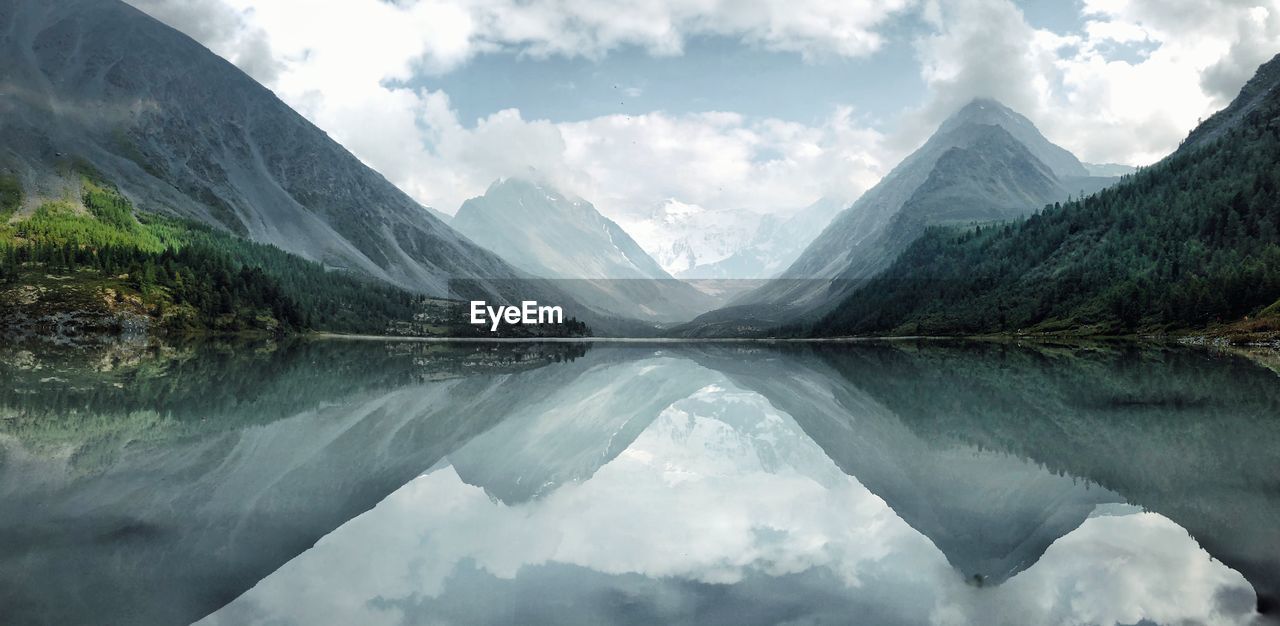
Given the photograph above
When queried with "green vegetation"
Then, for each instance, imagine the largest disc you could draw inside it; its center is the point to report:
(102, 399)
(1189, 242)
(105, 262)
(10, 196)
(186, 275)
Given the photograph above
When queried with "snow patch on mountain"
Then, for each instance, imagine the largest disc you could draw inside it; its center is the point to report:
(691, 241)
(681, 236)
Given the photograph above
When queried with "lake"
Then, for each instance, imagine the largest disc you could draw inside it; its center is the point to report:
(372, 482)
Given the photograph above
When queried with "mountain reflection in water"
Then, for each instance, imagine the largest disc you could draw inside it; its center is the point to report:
(899, 483)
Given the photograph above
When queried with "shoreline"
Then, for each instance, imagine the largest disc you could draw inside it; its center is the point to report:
(687, 340)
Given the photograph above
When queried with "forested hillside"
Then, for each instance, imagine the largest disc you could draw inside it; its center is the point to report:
(183, 275)
(1192, 240)
(92, 264)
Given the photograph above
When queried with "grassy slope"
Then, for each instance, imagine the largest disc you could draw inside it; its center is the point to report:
(10, 196)
(101, 263)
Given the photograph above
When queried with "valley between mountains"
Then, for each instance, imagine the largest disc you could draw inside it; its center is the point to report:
(150, 187)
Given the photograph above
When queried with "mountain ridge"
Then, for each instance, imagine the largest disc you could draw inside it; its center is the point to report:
(870, 213)
(566, 240)
(492, 221)
(866, 237)
(1184, 244)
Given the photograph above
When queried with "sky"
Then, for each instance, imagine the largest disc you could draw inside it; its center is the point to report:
(759, 105)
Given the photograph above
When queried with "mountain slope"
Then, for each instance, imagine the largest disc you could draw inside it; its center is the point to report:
(985, 162)
(182, 132)
(1253, 95)
(837, 248)
(539, 230)
(549, 235)
(1190, 240)
(990, 176)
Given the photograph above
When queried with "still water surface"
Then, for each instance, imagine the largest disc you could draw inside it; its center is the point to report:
(342, 482)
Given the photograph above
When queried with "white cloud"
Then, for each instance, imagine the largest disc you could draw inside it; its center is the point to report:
(594, 27)
(720, 160)
(228, 32)
(721, 486)
(345, 66)
(1182, 61)
(445, 33)
(625, 164)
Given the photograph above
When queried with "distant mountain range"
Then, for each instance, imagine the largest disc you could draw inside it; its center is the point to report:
(540, 230)
(692, 242)
(682, 236)
(1109, 169)
(773, 245)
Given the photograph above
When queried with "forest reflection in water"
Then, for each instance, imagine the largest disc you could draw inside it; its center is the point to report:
(904, 482)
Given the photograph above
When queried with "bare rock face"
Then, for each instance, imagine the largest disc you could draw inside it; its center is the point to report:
(97, 84)
(1253, 94)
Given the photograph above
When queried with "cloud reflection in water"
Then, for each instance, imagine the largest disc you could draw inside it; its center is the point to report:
(722, 510)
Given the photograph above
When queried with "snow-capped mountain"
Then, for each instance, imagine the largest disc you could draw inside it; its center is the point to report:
(1109, 169)
(694, 242)
(777, 242)
(682, 236)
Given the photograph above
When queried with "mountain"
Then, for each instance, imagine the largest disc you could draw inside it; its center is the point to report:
(547, 234)
(989, 177)
(1109, 169)
(540, 230)
(683, 237)
(774, 245)
(985, 162)
(704, 245)
(1184, 243)
(1255, 94)
(96, 85)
